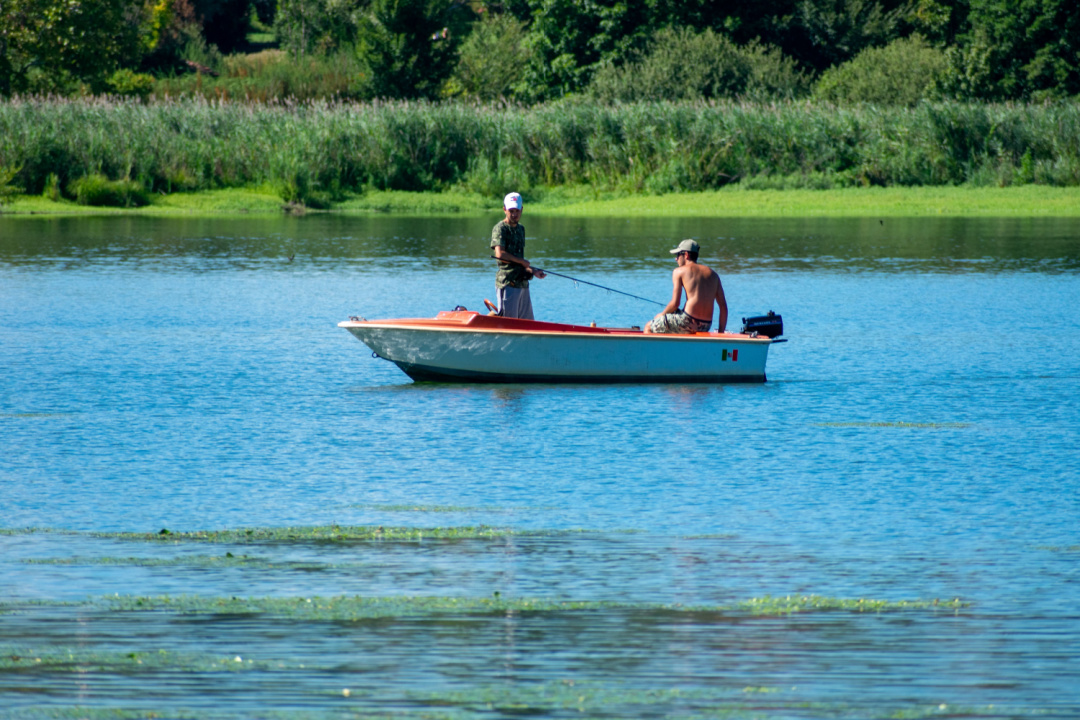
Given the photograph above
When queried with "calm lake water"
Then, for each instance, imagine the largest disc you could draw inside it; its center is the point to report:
(916, 441)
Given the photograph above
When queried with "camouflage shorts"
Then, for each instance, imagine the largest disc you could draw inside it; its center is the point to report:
(678, 323)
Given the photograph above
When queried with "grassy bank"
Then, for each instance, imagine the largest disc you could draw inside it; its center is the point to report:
(1023, 201)
(322, 154)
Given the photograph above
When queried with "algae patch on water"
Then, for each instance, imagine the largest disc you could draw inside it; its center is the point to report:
(324, 533)
(355, 607)
(82, 660)
(228, 560)
(769, 605)
(10, 532)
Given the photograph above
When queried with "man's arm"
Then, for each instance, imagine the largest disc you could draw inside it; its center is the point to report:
(721, 302)
(506, 256)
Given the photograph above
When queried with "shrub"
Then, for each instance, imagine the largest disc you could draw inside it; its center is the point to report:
(304, 27)
(131, 84)
(7, 190)
(198, 52)
(298, 189)
(99, 191)
(271, 75)
(490, 61)
(407, 48)
(52, 188)
(684, 65)
(902, 73)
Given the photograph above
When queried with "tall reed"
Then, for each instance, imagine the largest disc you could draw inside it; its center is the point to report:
(338, 147)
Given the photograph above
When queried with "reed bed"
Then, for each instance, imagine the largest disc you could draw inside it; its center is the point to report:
(338, 148)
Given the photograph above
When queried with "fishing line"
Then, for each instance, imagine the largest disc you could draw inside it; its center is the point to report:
(586, 282)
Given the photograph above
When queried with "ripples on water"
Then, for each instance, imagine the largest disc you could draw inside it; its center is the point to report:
(916, 440)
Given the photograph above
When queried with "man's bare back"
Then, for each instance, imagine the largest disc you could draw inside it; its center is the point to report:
(702, 287)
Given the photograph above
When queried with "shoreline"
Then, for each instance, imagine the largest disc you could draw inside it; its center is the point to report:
(1030, 201)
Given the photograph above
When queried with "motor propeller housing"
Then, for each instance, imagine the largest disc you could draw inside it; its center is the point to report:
(771, 325)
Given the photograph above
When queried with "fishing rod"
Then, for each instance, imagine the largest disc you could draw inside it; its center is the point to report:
(584, 282)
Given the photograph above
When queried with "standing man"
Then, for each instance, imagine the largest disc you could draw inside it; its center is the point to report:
(508, 246)
(702, 286)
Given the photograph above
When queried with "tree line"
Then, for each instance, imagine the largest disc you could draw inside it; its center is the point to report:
(889, 52)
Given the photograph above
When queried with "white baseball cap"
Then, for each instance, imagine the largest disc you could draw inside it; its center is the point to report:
(687, 245)
(512, 201)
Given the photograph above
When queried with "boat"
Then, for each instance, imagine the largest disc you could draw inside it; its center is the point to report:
(466, 346)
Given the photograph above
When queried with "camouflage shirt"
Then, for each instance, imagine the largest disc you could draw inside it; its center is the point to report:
(512, 240)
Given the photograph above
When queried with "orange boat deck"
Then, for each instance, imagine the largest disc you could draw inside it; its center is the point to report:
(473, 320)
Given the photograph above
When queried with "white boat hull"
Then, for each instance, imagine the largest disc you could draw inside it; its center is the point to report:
(463, 346)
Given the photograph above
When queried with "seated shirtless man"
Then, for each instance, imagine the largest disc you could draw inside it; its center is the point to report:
(702, 286)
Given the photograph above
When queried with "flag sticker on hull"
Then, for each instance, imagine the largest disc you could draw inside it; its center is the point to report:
(724, 355)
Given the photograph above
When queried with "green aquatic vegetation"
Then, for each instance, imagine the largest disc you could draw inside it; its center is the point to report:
(35, 531)
(326, 533)
(85, 661)
(78, 712)
(356, 607)
(789, 604)
(585, 698)
(14, 607)
(915, 425)
(339, 608)
(588, 699)
(198, 561)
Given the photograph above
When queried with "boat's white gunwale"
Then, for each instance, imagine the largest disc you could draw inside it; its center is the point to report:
(652, 337)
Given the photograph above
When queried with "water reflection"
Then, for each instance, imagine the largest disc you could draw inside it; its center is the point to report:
(573, 245)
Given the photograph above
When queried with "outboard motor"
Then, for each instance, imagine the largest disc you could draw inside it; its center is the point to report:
(771, 325)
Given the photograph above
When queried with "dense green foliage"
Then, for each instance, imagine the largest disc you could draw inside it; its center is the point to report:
(1013, 49)
(408, 47)
(902, 73)
(7, 190)
(271, 74)
(324, 150)
(490, 61)
(532, 51)
(100, 191)
(684, 65)
(54, 45)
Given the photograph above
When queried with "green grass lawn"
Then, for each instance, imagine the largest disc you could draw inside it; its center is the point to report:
(1023, 201)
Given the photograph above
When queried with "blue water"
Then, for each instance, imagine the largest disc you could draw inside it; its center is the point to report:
(916, 439)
